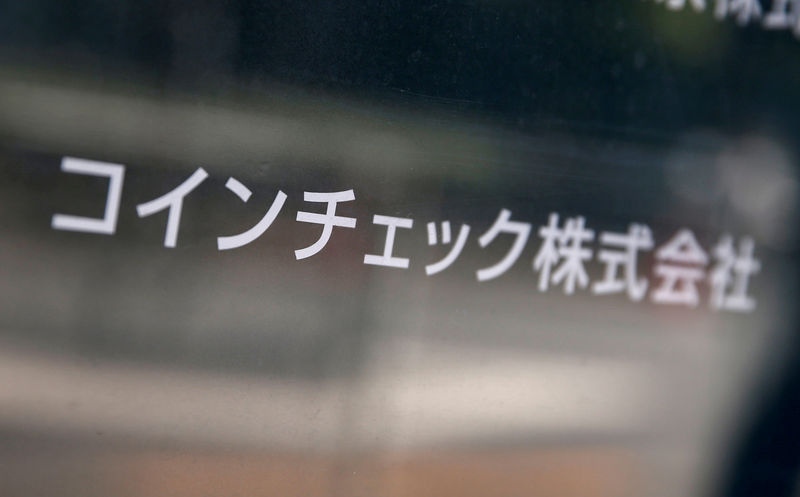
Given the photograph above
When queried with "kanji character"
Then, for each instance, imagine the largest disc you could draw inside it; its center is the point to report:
(244, 193)
(174, 201)
(547, 257)
(108, 224)
(679, 281)
(637, 238)
(566, 244)
(386, 259)
(698, 5)
(458, 246)
(729, 292)
(327, 220)
(503, 225)
(744, 10)
(784, 14)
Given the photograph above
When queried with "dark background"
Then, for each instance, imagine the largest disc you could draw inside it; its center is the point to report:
(608, 68)
(630, 65)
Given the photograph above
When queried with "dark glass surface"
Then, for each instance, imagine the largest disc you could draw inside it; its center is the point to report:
(129, 368)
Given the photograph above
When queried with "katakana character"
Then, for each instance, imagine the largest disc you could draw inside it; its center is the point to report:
(744, 10)
(729, 292)
(244, 193)
(503, 225)
(108, 224)
(699, 5)
(392, 223)
(637, 238)
(784, 14)
(564, 244)
(458, 246)
(174, 201)
(679, 283)
(327, 220)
